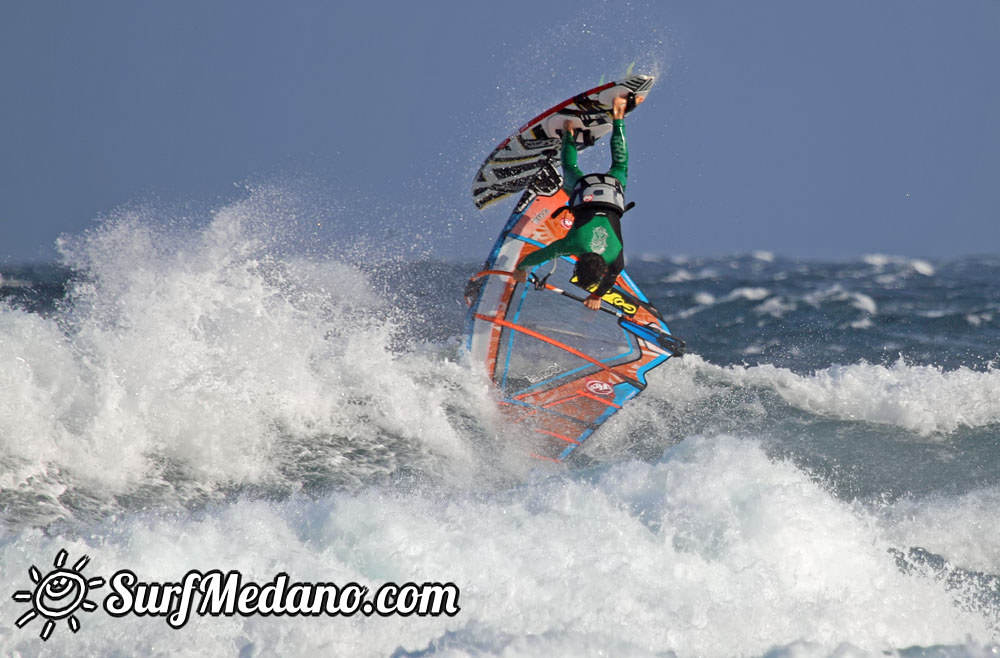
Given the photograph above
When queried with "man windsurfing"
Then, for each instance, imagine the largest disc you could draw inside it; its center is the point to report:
(597, 202)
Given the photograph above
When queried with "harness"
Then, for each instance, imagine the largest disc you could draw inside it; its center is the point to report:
(598, 191)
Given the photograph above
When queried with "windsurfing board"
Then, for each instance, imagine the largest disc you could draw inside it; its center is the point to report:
(518, 159)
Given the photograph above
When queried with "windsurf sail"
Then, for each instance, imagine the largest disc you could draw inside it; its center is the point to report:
(562, 369)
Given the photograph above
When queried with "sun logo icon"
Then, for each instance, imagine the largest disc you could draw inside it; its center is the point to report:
(58, 595)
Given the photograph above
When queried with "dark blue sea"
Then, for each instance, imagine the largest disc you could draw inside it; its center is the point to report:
(818, 476)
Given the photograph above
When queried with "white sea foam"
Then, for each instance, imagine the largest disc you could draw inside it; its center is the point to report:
(750, 294)
(679, 276)
(211, 355)
(923, 399)
(716, 550)
(979, 319)
(775, 306)
(899, 265)
(962, 528)
(778, 305)
(837, 294)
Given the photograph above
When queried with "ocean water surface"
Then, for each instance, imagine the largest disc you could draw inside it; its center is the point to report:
(817, 476)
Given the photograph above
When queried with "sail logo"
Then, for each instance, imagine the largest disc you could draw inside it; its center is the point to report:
(620, 302)
(598, 387)
(539, 217)
(64, 591)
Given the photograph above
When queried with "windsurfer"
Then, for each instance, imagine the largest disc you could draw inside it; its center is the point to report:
(597, 202)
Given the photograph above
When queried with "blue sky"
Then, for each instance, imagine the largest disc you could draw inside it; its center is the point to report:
(809, 129)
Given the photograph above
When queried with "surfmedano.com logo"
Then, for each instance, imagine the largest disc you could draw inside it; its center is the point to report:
(58, 595)
(63, 591)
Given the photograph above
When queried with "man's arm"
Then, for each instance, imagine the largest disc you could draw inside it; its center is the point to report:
(558, 248)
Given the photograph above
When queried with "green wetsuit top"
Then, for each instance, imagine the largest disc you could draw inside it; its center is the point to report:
(599, 235)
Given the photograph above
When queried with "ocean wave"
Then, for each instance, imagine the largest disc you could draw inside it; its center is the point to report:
(926, 400)
(182, 365)
(715, 548)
